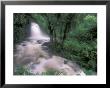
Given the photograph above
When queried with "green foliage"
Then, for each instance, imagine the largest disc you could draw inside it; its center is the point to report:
(84, 53)
(20, 22)
(86, 35)
(90, 21)
(52, 72)
(20, 70)
(89, 72)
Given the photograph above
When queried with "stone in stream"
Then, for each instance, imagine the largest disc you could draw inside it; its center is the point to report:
(23, 44)
(40, 41)
(46, 44)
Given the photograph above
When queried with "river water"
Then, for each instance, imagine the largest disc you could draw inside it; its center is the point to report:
(34, 55)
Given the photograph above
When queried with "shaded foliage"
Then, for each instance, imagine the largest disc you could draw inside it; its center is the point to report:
(20, 70)
(20, 22)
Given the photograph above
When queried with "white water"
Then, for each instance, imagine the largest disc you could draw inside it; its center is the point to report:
(31, 55)
(37, 34)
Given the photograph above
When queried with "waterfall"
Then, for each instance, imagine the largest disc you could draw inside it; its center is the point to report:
(37, 33)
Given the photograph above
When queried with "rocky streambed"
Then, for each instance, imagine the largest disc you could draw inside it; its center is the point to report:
(34, 55)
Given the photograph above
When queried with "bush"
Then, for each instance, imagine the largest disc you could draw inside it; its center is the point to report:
(85, 54)
(20, 22)
(20, 70)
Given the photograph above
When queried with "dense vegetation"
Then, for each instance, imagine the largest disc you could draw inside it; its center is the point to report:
(73, 35)
(20, 70)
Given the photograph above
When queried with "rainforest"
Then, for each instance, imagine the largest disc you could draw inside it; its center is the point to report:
(55, 43)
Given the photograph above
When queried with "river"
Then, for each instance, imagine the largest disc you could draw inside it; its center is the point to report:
(33, 54)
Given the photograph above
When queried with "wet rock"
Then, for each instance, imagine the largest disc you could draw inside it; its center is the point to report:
(65, 61)
(23, 44)
(46, 44)
(40, 41)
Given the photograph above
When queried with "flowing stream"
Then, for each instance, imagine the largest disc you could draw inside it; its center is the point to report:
(33, 54)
